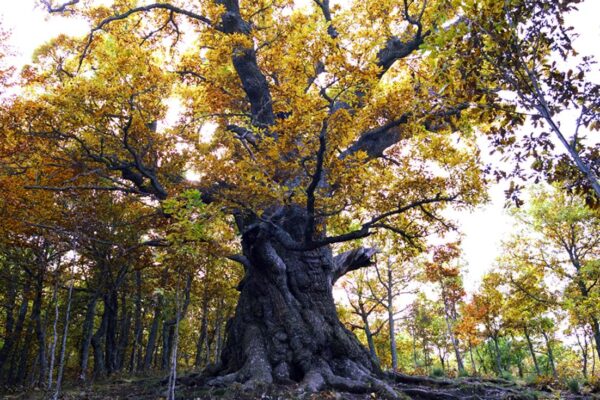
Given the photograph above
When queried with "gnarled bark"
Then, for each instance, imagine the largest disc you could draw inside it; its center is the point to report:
(286, 328)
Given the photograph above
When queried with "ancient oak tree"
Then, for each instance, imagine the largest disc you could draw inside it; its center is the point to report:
(308, 125)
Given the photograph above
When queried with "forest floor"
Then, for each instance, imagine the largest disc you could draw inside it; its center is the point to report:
(415, 388)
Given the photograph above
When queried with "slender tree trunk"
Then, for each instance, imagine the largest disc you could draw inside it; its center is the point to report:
(585, 357)
(125, 326)
(87, 332)
(9, 324)
(173, 352)
(532, 351)
(550, 354)
(97, 346)
(481, 361)
(473, 365)
(391, 322)
(393, 346)
(11, 345)
(519, 359)
(150, 348)
(426, 358)
(201, 343)
(111, 308)
(370, 340)
(20, 374)
(138, 330)
(584, 352)
(414, 348)
(54, 334)
(593, 359)
(168, 333)
(498, 359)
(155, 358)
(64, 343)
(218, 334)
(596, 330)
(40, 331)
(210, 339)
(454, 341)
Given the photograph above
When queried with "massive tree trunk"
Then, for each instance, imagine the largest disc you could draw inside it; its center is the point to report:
(285, 326)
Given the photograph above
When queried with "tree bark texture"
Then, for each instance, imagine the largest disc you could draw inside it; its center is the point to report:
(285, 326)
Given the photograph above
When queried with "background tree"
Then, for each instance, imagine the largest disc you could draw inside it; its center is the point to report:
(487, 306)
(528, 297)
(446, 276)
(364, 305)
(567, 248)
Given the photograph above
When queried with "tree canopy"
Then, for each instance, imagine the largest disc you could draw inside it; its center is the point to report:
(185, 184)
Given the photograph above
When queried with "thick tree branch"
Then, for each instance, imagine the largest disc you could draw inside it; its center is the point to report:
(395, 49)
(375, 141)
(377, 222)
(324, 6)
(312, 187)
(149, 173)
(239, 258)
(244, 61)
(352, 260)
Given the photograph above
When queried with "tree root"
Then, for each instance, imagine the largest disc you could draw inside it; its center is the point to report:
(350, 377)
(393, 386)
(425, 388)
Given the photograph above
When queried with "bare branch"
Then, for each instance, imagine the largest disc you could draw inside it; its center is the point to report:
(87, 187)
(58, 9)
(142, 9)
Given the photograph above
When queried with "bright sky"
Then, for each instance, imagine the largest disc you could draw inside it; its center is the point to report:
(484, 228)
